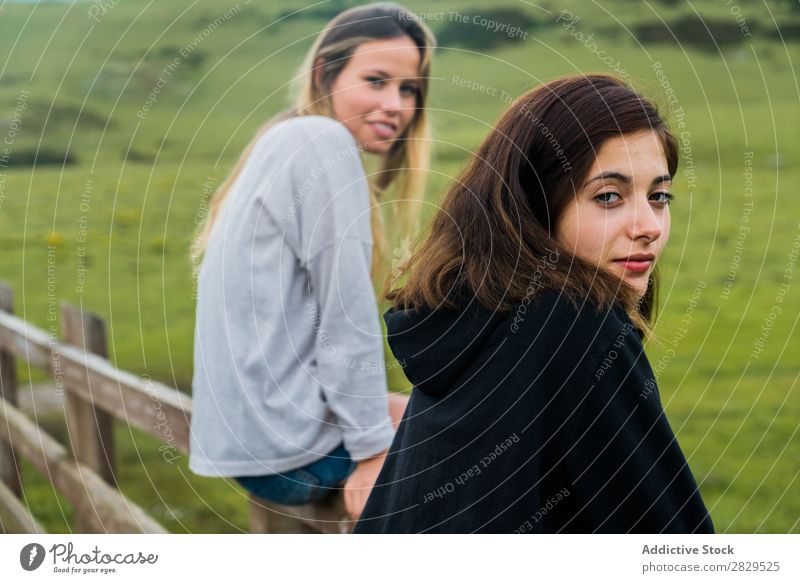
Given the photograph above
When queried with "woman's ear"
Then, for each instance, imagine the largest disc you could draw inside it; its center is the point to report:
(316, 72)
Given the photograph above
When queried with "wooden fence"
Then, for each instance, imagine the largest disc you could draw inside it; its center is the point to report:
(96, 395)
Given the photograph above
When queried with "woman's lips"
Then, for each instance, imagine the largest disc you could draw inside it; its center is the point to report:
(635, 265)
(382, 130)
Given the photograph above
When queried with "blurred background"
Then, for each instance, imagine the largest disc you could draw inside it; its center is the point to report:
(120, 118)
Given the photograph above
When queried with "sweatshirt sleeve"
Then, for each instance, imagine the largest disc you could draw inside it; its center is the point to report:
(335, 247)
(626, 468)
(350, 364)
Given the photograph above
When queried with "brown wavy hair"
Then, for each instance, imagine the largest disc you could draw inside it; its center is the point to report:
(495, 229)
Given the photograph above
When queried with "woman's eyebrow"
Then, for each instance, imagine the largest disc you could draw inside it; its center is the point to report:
(386, 75)
(617, 175)
(664, 178)
(627, 179)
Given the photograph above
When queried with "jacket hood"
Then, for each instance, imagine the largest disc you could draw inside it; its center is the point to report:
(436, 347)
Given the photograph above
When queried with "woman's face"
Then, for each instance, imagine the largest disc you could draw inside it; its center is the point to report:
(375, 95)
(619, 219)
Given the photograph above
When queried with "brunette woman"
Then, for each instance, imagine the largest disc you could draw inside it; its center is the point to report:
(521, 322)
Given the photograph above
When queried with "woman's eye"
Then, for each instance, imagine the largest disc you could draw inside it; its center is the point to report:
(662, 197)
(410, 90)
(607, 197)
(375, 81)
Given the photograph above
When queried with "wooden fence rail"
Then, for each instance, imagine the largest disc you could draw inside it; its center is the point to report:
(96, 395)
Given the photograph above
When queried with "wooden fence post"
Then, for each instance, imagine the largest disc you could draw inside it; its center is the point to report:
(9, 470)
(90, 428)
(325, 516)
(266, 518)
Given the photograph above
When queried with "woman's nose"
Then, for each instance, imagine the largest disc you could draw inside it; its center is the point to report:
(391, 100)
(645, 223)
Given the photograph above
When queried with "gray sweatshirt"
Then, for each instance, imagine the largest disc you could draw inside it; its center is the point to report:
(288, 352)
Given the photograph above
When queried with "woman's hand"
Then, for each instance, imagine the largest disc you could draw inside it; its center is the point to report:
(360, 483)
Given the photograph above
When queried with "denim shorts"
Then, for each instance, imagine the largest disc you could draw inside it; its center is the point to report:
(307, 484)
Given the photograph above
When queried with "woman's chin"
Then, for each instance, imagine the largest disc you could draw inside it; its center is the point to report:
(376, 147)
(638, 283)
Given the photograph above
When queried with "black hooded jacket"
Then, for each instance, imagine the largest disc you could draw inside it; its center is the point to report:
(545, 419)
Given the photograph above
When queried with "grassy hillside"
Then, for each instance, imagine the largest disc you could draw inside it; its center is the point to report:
(150, 103)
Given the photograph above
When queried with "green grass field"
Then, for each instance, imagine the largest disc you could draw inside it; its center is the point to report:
(727, 361)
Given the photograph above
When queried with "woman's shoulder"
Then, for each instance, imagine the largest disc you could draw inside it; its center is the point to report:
(315, 131)
(556, 317)
(308, 144)
(569, 337)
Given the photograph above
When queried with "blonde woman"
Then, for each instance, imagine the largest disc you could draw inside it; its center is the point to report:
(289, 387)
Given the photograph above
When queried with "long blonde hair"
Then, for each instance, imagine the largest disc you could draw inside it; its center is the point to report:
(406, 162)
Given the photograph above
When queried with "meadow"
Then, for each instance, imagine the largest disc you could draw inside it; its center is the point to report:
(118, 119)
